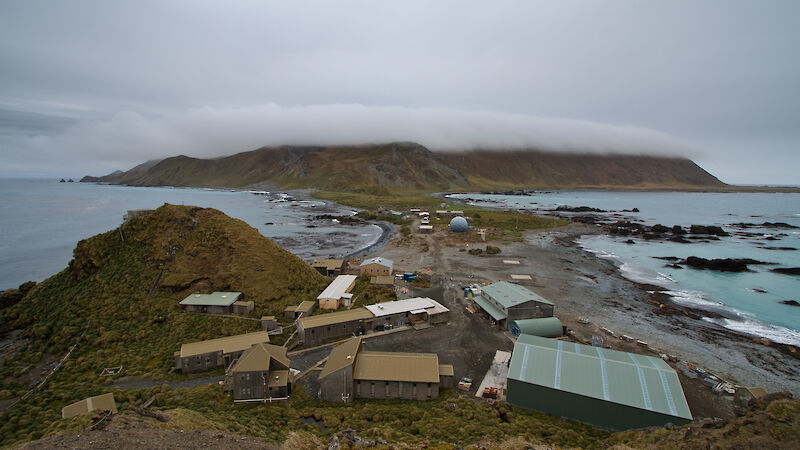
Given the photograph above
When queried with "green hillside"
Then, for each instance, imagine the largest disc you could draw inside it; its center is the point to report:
(127, 291)
(408, 167)
(117, 301)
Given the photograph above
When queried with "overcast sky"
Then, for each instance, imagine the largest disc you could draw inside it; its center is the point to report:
(88, 87)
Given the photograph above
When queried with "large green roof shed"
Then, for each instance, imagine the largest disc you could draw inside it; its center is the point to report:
(606, 388)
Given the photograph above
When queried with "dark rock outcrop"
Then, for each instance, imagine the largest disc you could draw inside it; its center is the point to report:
(565, 208)
(787, 270)
(764, 225)
(720, 265)
(708, 229)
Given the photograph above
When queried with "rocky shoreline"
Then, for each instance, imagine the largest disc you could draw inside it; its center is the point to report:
(651, 313)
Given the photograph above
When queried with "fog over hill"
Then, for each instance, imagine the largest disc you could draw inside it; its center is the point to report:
(411, 166)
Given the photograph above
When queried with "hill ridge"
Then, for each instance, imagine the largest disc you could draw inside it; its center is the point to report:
(380, 168)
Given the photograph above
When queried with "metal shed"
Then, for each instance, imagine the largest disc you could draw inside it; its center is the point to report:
(602, 387)
(544, 327)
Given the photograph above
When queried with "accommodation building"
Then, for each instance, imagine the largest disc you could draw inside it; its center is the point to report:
(406, 312)
(352, 372)
(316, 330)
(376, 266)
(262, 374)
(103, 402)
(505, 301)
(220, 352)
(337, 293)
(329, 267)
(215, 303)
(602, 387)
(304, 309)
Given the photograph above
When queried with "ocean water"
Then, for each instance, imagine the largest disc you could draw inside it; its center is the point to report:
(42, 221)
(750, 300)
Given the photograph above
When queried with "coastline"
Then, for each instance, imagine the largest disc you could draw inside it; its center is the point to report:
(635, 309)
(387, 232)
(583, 285)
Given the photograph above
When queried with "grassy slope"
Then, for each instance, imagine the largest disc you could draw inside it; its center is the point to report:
(407, 167)
(770, 423)
(520, 169)
(106, 291)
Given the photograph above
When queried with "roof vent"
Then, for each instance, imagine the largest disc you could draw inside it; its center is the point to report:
(224, 296)
(349, 357)
(277, 378)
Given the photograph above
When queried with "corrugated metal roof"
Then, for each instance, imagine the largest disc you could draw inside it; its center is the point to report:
(378, 260)
(257, 358)
(226, 344)
(396, 366)
(544, 327)
(400, 306)
(334, 317)
(341, 356)
(510, 294)
(634, 380)
(213, 299)
(338, 287)
(493, 311)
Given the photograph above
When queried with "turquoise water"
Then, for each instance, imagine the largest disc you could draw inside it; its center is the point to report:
(42, 220)
(751, 299)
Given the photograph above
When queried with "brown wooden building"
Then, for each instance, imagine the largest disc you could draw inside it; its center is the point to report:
(351, 372)
(262, 374)
(220, 352)
(376, 267)
(329, 267)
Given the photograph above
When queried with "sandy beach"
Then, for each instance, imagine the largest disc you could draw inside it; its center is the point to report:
(584, 286)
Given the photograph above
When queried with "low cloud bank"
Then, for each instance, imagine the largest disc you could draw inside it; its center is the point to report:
(129, 138)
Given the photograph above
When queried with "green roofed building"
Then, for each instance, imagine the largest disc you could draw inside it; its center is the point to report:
(601, 387)
(505, 301)
(543, 327)
(214, 303)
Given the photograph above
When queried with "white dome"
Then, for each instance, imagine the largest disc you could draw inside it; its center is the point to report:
(458, 225)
